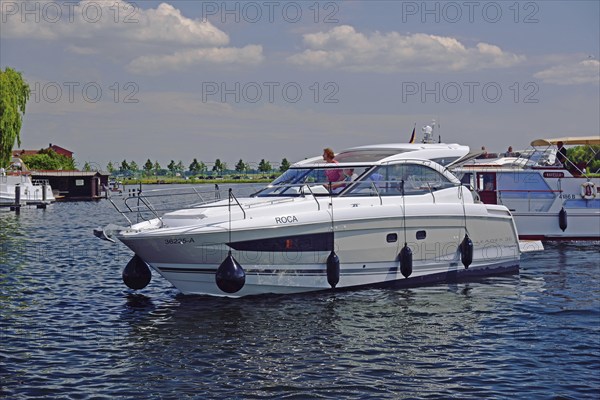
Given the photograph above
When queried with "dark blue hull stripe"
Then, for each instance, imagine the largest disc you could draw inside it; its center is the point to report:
(353, 271)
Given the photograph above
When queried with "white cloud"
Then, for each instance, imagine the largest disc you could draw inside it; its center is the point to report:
(154, 64)
(166, 23)
(50, 20)
(124, 31)
(344, 47)
(584, 72)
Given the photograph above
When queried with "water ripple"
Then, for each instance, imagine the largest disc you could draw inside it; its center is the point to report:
(70, 329)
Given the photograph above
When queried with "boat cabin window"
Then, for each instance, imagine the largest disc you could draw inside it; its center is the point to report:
(466, 179)
(298, 181)
(393, 180)
(443, 161)
(367, 155)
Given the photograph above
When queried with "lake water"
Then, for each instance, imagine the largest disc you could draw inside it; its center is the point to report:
(69, 328)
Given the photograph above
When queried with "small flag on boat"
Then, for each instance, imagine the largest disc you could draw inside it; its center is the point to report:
(412, 137)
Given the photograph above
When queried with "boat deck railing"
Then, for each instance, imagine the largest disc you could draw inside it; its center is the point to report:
(143, 205)
(539, 158)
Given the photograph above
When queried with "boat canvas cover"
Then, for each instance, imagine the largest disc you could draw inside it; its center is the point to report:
(568, 140)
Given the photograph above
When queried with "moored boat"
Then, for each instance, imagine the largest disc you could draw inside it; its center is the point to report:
(399, 218)
(550, 196)
(16, 185)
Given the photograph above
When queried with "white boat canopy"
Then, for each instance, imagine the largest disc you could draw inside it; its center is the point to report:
(569, 140)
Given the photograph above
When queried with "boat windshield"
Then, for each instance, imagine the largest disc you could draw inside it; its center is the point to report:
(539, 157)
(399, 179)
(316, 181)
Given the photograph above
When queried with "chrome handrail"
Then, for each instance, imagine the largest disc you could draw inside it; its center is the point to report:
(231, 195)
(150, 201)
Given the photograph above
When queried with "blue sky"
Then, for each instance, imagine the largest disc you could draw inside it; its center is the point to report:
(178, 80)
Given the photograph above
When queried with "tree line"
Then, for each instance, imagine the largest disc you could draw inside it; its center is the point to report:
(153, 168)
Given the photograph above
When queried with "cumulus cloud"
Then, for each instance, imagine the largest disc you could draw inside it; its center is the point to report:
(154, 64)
(344, 47)
(50, 20)
(584, 72)
(118, 28)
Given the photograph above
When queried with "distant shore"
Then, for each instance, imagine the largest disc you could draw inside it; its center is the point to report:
(190, 181)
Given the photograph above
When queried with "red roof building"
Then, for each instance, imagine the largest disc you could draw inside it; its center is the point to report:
(59, 150)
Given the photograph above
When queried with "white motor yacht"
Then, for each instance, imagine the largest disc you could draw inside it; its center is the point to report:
(550, 198)
(31, 192)
(401, 218)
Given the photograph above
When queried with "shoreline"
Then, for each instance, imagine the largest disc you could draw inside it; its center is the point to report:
(180, 181)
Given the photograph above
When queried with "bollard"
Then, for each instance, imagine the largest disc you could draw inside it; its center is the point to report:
(17, 207)
(18, 194)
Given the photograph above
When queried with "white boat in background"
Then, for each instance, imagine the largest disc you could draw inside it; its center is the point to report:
(404, 220)
(114, 187)
(31, 192)
(549, 199)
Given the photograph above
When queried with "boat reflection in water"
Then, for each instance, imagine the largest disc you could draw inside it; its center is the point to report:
(384, 214)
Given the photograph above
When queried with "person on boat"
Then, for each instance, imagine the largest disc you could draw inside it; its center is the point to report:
(561, 154)
(348, 176)
(509, 152)
(484, 153)
(333, 175)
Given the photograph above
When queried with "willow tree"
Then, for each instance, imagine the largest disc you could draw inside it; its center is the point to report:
(14, 93)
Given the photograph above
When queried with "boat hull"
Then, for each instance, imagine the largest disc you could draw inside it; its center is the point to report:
(536, 197)
(29, 193)
(293, 258)
(200, 279)
(545, 226)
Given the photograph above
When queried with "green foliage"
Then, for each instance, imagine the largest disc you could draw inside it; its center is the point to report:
(171, 167)
(48, 159)
(197, 167)
(264, 166)
(219, 166)
(241, 166)
(124, 166)
(148, 166)
(175, 168)
(589, 155)
(285, 165)
(194, 167)
(14, 93)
